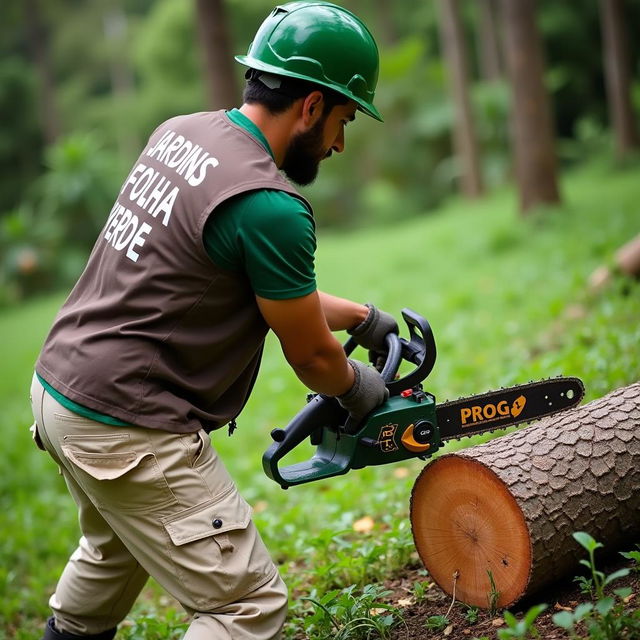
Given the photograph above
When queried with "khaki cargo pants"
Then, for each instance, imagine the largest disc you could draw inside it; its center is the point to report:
(160, 504)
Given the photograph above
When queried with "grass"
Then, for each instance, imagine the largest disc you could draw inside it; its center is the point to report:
(507, 300)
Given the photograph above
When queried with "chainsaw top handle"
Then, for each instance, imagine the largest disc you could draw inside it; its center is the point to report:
(325, 411)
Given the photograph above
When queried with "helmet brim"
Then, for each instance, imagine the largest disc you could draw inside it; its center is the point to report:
(363, 105)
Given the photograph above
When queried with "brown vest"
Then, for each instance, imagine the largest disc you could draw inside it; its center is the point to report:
(154, 333)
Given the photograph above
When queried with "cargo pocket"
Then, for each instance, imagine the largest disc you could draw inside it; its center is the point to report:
(217, 553)
(117, 474)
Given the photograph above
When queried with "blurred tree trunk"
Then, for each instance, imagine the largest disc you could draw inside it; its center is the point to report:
(488, 42)
(38, 45)
(218, 59)
(618, 76)
(455, 53)
(531, 122)
(115, 26)
(386, 24)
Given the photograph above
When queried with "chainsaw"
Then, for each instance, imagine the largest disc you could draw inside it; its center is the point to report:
(410, 423)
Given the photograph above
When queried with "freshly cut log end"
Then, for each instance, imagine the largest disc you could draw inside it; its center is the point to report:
(469, 530)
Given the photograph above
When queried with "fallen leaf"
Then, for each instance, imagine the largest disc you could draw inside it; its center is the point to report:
(260, 506)
(364, 525)
(377, 612)
(497, 622)
(558, 607)
(466, 632)
(405, 602)
(629, 598)
(448, 630)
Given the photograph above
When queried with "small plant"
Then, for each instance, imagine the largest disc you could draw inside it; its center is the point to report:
(342, 615)
(436, 623)
(521, 628)
(599, 579)
(606, 618)
(420, 589)
(472, 614)
(169, 625)
(493, 596)
(585, 584)
(634, 556)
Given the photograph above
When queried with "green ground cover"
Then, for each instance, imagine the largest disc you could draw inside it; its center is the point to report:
(507, 299)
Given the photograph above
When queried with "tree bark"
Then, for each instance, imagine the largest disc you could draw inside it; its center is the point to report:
(218, 59)
(37, 37)
(488, 42)
(618, 77)
(465, 143)
(509, 507)
(532, 128)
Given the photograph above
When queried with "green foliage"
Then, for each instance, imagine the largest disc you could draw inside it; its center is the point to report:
(521, 628)
(345, 615)
(607, 618)
(168, 626)
(45, 242)
(634, 556)
(436, 623)
(494, 595)
(599, 579)
(420, 589)
(20, 136)
(472, 614)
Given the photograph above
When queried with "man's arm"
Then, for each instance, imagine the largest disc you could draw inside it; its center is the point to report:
(341, 313)
(307, 343)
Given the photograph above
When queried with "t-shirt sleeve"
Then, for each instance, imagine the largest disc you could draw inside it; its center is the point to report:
(271, 236)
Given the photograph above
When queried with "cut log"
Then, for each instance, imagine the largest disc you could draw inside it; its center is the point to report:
(505, 510)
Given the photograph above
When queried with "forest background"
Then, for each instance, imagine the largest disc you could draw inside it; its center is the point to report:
(82, 85)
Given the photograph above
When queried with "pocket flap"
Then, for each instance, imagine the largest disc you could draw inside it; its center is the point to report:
(105, 466)
(221, 514)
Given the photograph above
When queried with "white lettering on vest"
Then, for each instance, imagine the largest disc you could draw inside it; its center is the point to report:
(161, 144)
(166, 206)
(180, 154)
(194, 181)
(165, 156)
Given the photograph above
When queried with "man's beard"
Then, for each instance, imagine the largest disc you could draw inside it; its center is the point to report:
(303, 155)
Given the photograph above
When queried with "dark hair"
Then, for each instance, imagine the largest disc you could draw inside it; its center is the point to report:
(291, 89)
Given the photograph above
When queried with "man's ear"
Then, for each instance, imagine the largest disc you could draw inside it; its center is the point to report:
(312, 108)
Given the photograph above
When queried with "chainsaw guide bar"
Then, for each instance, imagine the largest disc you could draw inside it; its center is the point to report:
(504, 408)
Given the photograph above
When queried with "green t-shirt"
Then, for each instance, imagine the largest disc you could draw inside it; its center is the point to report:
(240, 237)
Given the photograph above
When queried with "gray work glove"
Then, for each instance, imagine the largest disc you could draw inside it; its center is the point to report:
(371, 332)
(368, 392)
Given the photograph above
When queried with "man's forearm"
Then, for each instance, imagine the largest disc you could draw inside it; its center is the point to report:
(326, 372)
(341, 313)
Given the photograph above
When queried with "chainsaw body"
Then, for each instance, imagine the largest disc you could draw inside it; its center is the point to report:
(404, 426)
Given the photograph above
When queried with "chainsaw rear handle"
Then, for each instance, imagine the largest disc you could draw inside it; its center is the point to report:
(325, 411)
(322, 411)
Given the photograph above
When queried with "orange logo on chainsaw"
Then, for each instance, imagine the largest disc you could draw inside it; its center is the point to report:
(488, 412)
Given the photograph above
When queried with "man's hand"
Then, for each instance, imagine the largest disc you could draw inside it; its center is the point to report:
(372, 331)
(368, 391)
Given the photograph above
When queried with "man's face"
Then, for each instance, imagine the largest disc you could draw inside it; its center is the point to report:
(307, 149)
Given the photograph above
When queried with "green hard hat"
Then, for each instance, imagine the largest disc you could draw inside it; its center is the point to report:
(322, 43)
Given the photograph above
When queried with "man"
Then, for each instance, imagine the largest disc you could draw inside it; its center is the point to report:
(207, 247)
